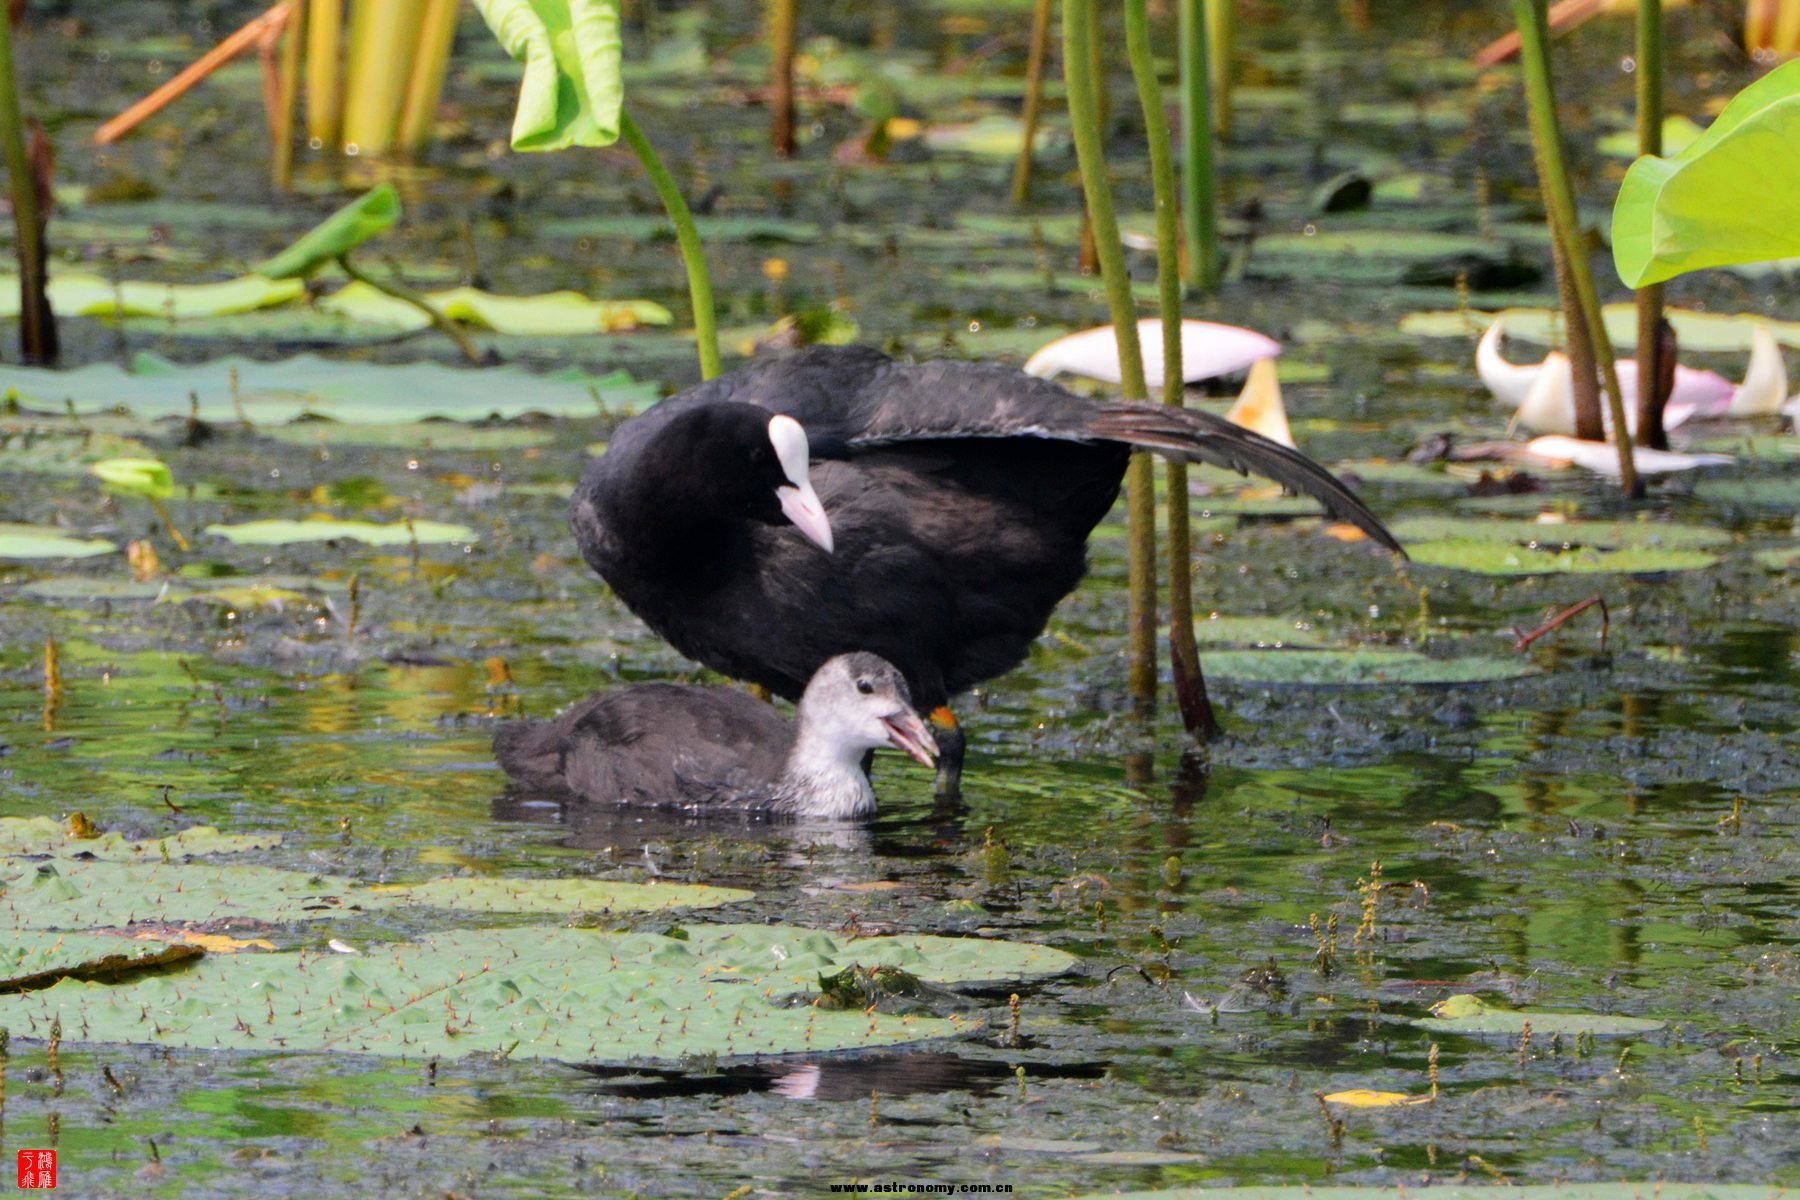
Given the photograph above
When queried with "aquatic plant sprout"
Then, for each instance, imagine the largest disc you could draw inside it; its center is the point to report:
(1731, 197)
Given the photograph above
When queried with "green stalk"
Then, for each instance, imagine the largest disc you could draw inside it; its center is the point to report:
(687, 235)
(782, 31)
(1199, 193)
(287, 98)
(437, 34)
(1650, 299)
(382, 36)
(1034, 100)
(1196, 710)
(324, 78)
(1079, 56)
(37, 324)
(401, 292)
(1221, 45)
(1565, 226)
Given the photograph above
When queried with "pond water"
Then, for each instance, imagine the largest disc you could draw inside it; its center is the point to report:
(1584, 829)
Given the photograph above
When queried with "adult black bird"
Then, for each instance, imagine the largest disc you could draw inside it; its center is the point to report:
(671, 745)
(836, 500)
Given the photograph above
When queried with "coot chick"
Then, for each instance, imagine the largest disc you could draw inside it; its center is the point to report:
(682, 746)
(960, 498)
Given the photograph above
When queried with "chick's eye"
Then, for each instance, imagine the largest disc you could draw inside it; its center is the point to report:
(864, 686)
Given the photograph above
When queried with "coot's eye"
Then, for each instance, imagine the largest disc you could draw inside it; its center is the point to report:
(864, 686)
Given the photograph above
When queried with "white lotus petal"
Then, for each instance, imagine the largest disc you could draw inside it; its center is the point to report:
(1208, 350)
(1603, 457)
(1765, 379)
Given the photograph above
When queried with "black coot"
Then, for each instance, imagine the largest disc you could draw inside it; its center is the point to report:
(673, 745)
(945, 512)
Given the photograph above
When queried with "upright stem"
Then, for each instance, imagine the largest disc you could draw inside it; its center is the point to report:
(1584, 370)
(401, 292)
(1034, 99)
(687, 236)
(1221, 45)
(1080, 79)
(1534, 53)
(324, 75)
(1199, 195)
(37, 324)
(782, 31)
(1650, 398)
(431, 62)
(1196, 710)
(287, 99)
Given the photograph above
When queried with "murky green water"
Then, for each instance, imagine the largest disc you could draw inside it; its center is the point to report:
(1611, 833)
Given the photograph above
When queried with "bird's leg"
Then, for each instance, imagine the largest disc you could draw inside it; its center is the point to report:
(951, 746)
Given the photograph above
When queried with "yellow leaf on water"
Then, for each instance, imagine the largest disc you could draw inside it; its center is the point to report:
(1364, 1098)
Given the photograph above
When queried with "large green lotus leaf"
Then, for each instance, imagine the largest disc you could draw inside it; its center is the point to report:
(571, 994)
(37, 541)
(43, 835)
(1656, 1189)
(74, 294)
(31, 960)
(376, 211)
(75, 893)
(281, 532)
(1356, 668)
(270, 393)
(1733, 196)
(1699, 331)
(1559, 535)
(572, 90)
(1469, 1014)
(553, 314)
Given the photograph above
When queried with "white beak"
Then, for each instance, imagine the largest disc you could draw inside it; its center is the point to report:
(800, 504)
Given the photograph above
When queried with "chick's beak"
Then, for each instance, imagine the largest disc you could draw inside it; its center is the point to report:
(906, 732)
(800, 504)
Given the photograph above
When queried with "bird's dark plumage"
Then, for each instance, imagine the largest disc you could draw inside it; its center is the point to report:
(673, 745)
(960, 495)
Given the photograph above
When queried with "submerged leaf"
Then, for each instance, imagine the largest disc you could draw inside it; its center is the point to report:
(1733, 196)
(343, 231)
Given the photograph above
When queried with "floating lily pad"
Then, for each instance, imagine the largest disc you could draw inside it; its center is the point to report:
(73, 893)
(29, 961)
(372, 213)
(37, 541)
(552, 314)
(1256, 631)
(1514, 547)
(73, 294)
(1697, 331)
(423, 435)
(551, 992)
(270, 393)
(83, 590)
(42, 835)
(992, 136)
(745, 227)
(1650, 1190)
(1647, 535)
(277, 532)
(1784, 559)
(40, 448)
(1356, 668)
(1469, 1014)
(1751, 493)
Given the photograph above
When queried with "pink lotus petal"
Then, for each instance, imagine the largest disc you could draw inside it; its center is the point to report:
(1208, 350)
(1697, 393)
(1603, 457)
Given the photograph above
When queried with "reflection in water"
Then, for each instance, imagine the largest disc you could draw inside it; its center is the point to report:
(846, 1077)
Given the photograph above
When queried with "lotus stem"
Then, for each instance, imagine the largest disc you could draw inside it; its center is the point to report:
(1565, 225)
(1190, 692)
(437, 34)
(1221, 47)
(383, 34)
(247, 37)
(281, 128)
(1584, 371)
(37, 324)
(1651, 397)
(783, 24)
(687, 236)
(324, 73)
(1034, 100)
(401, 292)
(1081, 78)
(1199, 194)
